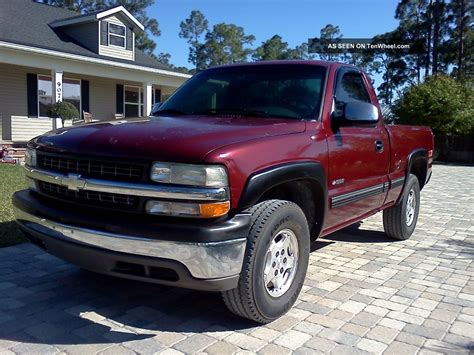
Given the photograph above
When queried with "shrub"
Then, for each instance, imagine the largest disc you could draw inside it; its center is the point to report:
(64, 111)
(442, 103)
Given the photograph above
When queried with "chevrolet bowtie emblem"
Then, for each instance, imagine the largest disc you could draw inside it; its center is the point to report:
(73, 182)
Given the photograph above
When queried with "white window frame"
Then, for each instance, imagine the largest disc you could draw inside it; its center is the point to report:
(53, 90)
(139, 104)
(124, 36)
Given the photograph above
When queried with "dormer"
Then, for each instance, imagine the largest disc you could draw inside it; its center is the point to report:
(108, 33)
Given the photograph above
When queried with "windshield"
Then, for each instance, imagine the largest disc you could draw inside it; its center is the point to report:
(287, 91)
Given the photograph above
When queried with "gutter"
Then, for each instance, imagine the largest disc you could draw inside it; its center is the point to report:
(81, 58)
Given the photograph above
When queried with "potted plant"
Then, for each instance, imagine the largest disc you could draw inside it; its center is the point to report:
(64, 111)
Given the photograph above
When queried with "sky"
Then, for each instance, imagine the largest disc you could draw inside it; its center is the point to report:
(294, 20)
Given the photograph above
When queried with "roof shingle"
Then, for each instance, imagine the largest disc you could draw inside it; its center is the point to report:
(27, 22)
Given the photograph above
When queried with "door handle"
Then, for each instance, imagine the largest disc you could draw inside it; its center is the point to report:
(378, 146)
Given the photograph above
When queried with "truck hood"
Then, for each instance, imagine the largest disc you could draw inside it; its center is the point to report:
(185, 138)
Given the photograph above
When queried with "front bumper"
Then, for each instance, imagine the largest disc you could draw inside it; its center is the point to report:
(212, 264)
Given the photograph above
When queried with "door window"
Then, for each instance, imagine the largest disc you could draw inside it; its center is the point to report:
(350, 88)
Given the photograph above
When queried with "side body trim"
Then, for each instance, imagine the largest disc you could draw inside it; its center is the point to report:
(397, 182)
(353, 196)
(357, 195)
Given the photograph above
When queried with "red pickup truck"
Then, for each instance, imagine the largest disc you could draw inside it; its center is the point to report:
(228, 183)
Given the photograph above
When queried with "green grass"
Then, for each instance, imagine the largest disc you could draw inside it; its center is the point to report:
(12, 178)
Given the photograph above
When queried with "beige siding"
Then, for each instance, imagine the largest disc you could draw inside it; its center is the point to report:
(13, 99)
(113, 51)
(114, 19)
(166, 92)
(26, 128)
(87, 34)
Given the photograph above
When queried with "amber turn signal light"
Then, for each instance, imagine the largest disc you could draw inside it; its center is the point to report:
(187, 209)
(210, 210)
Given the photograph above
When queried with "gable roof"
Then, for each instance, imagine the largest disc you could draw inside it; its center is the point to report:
(96, 16)
(26, 22)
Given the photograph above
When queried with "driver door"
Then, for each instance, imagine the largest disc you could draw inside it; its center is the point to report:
(358, 155)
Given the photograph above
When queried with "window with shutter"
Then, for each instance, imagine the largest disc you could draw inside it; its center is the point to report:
(104, 33)
(129, 39)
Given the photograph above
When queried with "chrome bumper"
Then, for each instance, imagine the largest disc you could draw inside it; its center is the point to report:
(203, 260)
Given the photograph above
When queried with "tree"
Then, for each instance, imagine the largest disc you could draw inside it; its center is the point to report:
(441, 103)
(328, 35)
(192, 30)
(136, 7)
(275, 49)
(226, 44)
(460, 47)
(301, 52)
(411, 14)
(164, 58)
(63, 110)
(272, 49)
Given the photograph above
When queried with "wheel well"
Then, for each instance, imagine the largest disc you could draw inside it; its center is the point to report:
(419, 169)
(308, 195)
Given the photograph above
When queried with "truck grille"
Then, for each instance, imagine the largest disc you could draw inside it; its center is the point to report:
(91, 168)
(92, 198)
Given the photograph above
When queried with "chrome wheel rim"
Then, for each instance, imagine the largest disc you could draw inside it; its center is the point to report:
(411, 206)
(281, 263)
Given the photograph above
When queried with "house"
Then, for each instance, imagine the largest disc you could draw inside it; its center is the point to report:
(50, 54)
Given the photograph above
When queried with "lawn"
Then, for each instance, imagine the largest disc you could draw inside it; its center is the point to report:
(12, 178)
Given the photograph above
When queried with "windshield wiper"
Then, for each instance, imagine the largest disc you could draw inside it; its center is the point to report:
(169, 111)
(235, 111)
(244, 112)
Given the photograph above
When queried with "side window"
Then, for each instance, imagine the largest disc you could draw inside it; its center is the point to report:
(351, 88)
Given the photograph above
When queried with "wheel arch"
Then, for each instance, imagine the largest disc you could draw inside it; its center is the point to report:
(418, 166)
(303, 183)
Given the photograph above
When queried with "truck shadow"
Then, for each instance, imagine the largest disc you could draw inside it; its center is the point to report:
(45, 300)
(356, 234)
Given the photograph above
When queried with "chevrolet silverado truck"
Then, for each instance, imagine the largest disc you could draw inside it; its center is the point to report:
(227, 183)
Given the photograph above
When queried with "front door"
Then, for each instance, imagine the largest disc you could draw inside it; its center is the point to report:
(358, 156)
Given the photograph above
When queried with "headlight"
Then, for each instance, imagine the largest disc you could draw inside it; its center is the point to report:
(189, 174)
(30, 157)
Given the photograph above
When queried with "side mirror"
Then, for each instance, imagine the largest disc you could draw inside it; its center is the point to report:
(155, 108)
(360, 112)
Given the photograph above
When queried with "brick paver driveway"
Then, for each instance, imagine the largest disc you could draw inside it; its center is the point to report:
(363, 293)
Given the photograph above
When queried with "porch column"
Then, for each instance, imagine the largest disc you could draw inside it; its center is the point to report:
(57, 81)
(147, 99)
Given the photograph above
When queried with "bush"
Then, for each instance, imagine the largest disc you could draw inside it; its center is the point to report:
(441, 103)
(64, 111)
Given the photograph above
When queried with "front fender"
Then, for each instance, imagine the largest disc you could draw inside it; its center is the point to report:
(262, 181)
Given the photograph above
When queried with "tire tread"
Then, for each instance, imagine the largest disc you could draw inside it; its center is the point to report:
(240, 299)
(393, 218)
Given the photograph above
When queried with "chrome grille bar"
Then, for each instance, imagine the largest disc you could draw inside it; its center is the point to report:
(75, 182)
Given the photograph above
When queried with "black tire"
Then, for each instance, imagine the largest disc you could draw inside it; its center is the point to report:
(250, 299)
(395, 218)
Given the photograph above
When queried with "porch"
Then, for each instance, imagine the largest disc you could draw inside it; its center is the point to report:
(29, 85)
